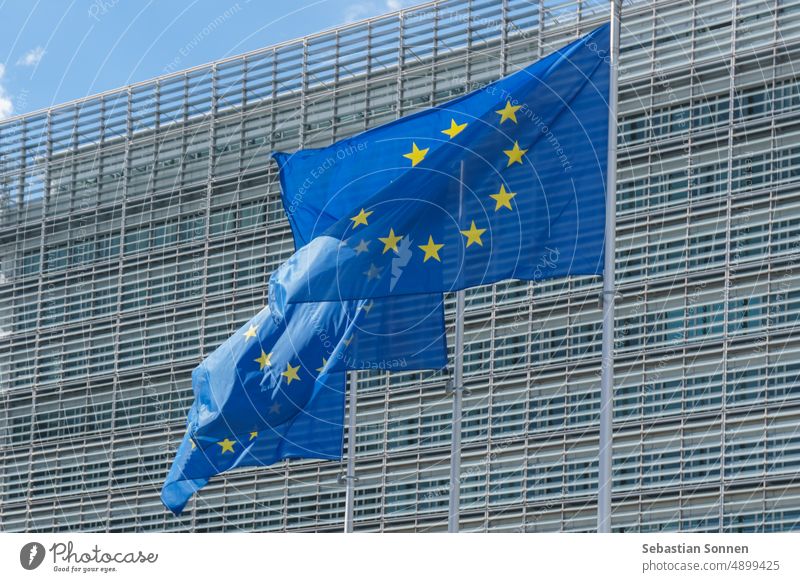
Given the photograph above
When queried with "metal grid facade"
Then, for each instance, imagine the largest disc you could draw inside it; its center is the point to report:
(138, 229)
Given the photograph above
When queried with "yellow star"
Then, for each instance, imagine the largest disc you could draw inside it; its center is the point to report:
(455, 129)
(390, 242)
(508, 112)
(227, 445)
(251, 332)
(368, 307)
(324, 363)
(361, 218)
(348, 341)
(416, 155)
(474, 234)
(263, 361)
(431, 250)
(194, 446)
(290, 373)
(514, 155)
(503, 198)
(253, 435)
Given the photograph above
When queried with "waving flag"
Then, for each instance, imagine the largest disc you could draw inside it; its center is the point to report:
(274, 390)
(505, 182)
(314, 432)
(401, 333)
(529, 204)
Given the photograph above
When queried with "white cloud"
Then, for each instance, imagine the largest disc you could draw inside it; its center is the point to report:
(32, 57)
(395, 5)
(6, 106)
(358, 11)
(366, 9)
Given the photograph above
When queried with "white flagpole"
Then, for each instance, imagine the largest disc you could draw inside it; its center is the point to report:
(458, 373)
(609, 289)
(350, 477)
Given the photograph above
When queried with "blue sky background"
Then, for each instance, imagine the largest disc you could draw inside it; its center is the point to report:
(53, 51)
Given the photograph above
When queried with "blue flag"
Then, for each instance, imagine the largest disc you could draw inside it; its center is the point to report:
(401, 333)
(314, 432)
(506, 182)
(404, 219)
(274, 390)
(268, 371)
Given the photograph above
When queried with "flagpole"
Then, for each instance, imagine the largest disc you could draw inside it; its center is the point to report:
(457, 386)
(609, 290)
(350, 477)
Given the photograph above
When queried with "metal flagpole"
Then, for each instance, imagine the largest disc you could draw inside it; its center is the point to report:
(609, 291)
(457, 386)
(350, 477)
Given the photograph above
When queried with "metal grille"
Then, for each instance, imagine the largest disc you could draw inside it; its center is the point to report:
(138, 229)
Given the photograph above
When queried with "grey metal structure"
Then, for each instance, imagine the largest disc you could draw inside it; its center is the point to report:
(138, 229)
(608, 297)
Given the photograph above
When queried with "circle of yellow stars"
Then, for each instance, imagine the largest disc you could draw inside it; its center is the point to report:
(474, 234)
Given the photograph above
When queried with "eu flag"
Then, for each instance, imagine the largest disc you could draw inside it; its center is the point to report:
(273, 390)
(401, 333)
(506, 182)
(314, 432)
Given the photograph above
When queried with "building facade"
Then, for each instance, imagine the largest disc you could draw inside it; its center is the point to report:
(138, 229)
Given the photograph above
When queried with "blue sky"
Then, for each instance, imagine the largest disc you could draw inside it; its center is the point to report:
(59, 50)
